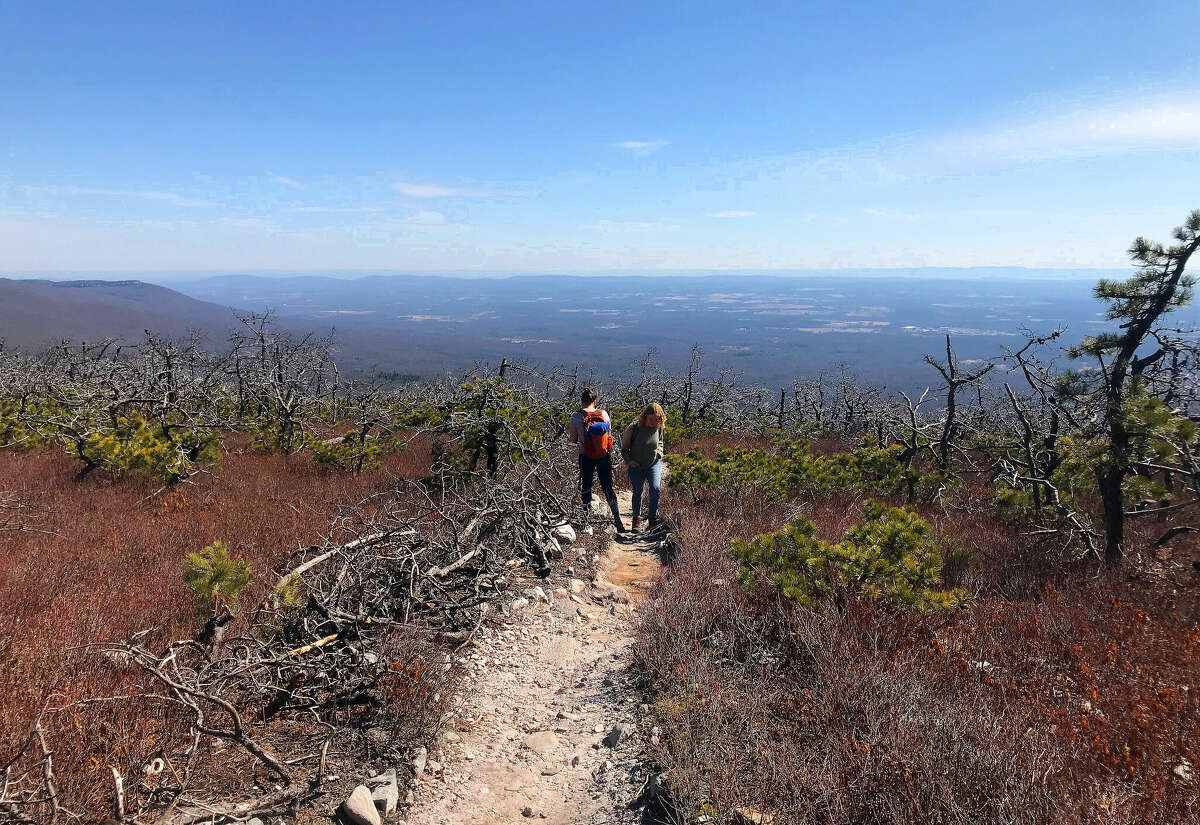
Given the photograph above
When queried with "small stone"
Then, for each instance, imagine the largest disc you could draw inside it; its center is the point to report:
(519, 604)
(527, 811)
(598, 729)
(386, 793)
(615, 735)
(543, 741)
(564, 533)
(566, 714)
(1183, 770)
(550, 770)
(359, 808)
(451, 736)
(577, 586)
(420, 759)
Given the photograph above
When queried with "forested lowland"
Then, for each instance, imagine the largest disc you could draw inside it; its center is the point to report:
(223, 574)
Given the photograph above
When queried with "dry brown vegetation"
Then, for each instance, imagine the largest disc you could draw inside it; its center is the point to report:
(104, 559)
(1055, 695)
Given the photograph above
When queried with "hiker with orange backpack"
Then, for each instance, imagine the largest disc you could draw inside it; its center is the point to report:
(591, 429)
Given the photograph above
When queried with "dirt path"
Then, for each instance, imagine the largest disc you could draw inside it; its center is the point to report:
(550, 694)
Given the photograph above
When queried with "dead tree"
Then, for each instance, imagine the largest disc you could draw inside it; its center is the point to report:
(955, 379)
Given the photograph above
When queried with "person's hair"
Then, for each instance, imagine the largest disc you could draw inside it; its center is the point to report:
(588, 396)
(652, 409)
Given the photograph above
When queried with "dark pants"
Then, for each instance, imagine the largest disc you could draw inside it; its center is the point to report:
(603, 468)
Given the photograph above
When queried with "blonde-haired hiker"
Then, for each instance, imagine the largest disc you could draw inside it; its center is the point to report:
(642, 447)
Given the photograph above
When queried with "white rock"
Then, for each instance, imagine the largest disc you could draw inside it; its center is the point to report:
(520, 603)
(542, 742)
(577, 586)
(1183, 770)
(386, 793)
(420, 758)
(565, 534)
(359, 808)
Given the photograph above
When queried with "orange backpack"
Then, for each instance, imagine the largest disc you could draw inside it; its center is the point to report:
(597, 434)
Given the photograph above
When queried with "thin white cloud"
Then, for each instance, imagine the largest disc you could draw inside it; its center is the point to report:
(248, 223)
(437, 190)
(284, 180)
(605, 225)
(641, 148)
(316, 209)
(1113, 127)
(172, 198)
(893, 214)
(1066, 130)
(426, 217)
(733, 213)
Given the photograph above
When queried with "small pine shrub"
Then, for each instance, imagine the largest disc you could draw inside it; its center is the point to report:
(890, 555)
(287, 592)
(140, 447)
(215, 578)
(792, 467)
(353, 451)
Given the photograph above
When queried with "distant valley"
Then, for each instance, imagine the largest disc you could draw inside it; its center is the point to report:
(769, 329)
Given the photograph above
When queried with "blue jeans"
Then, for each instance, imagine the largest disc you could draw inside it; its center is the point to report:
(639, 476)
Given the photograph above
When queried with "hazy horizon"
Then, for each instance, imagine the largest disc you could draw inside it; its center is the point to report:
(933, 273)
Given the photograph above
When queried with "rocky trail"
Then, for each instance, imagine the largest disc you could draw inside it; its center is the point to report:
(551, 729)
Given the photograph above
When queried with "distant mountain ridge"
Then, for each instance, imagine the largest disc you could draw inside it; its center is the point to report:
(35, 313)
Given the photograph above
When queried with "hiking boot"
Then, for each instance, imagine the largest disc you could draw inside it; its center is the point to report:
(637, 524)
(620, 525)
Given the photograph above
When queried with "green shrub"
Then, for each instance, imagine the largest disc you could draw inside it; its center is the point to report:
(140, 447)
(890, 555)
(792, 467)
(215, 578)
(354, 451)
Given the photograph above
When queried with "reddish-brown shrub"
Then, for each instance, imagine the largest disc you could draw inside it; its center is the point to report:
(107, 560)
(1056, 695)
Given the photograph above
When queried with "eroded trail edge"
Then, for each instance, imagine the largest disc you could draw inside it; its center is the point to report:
(551, 729)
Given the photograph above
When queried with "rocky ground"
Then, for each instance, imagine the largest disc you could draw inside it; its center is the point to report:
(552, 730)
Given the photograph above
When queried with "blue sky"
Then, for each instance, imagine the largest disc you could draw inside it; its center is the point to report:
(592, 136)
